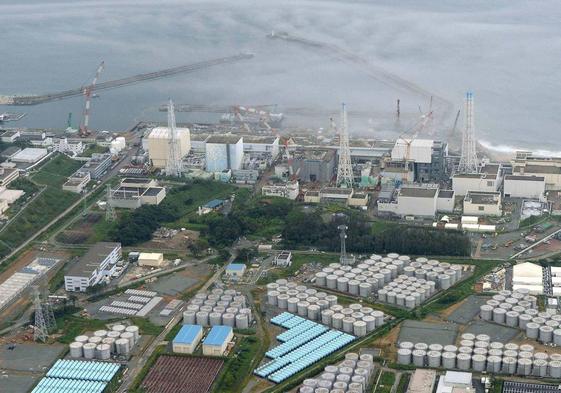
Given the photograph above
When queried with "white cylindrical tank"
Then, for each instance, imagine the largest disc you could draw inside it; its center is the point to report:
(546, 334)
(303, 308)
(135, 331)
(313, 312)
(202, 318)
(540, 368)
(478, 362)
(321, 279)
(390, 297)
(523, 321)
(326, 317)
(189, 318)
(494, 364)
(119, 328)
(499, 315)
(76, 349)
(524, 366)
(348, 323)
(449, 360)
(434, 358)
(532, 330)
(95, 340)
(406, 345)
(229, 319)
(509, 365)
(292, 304)
(359, 328)
(103, 352)
(512, 318)
(100, 333)
(129, 336)
(337, 321)
(272, 297)
(365, 289)
(82, 339)
(109, 341)
(122, 346)
(404, 356)
(379, 315)
(331, 281)
(463, 361)
(419, 357)
(89, 350)
(557, 337)
(526, 348)
(555, 369)
(450, 348)
(242, 321)
(343, 284)
(444, 281)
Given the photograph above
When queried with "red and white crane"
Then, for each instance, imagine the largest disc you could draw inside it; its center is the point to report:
(88, 90)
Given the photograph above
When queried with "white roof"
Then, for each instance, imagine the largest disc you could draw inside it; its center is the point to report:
(163, 132)
(527, 269)
(533, 289)
(533, 280)
(30, 154)
(555, 271)
(458, 377)
(151, 255)
(420, 150)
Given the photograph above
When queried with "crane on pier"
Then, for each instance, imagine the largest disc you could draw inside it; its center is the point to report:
(84, 130)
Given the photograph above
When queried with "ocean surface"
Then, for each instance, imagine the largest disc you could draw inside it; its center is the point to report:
(507, 52)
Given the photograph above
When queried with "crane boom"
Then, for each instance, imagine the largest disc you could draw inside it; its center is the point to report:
(88, 95)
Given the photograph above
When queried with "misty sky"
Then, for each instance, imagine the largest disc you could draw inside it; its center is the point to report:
(506, 52)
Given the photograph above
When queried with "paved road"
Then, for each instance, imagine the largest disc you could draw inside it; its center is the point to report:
(133, 372)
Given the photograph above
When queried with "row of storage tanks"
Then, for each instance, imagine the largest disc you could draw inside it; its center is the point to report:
(352, 375)
(518, 309)
(319, 306)
(219, 307)
(477, 353)
(119, 341)
(375, 274)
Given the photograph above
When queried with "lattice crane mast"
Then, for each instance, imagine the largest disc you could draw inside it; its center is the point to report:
(88, 90)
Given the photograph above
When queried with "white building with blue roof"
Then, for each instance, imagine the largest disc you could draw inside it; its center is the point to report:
(187, 339)
(236, 270)
(217, 340)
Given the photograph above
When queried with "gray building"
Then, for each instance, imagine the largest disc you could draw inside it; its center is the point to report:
(98, 263)
(97, 165)
(314, 165)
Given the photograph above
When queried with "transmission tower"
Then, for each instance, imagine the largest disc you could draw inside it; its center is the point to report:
(173, 164)
(48, 312)
(40, 328)
(344, 259)
(109, 211)
(468, 159)
(345, 169)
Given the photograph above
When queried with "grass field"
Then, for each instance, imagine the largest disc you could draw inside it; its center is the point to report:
(237, 367)
(50, 203)
(386, 382)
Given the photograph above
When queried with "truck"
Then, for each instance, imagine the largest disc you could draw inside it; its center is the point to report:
(531, 238)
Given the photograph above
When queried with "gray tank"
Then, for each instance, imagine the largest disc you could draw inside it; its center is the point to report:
(348, 323)
(229, 319)
(494, 364)
(478, 362)
(189, 318)
(449, 360)
(337, 321)
(433, 358)
(499, 315)
(419, 357)
(509, 365)
(202, 318)
(282, 300)
(463, 361)
(512, 318)
(546, 334)
(532, 330)
(524, 366)
(326, 317)
(555, 369)
(292, 305)
(215, 319)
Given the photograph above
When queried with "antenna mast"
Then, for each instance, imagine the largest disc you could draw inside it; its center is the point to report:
(173, 164)
(344, 169)
(468, 159)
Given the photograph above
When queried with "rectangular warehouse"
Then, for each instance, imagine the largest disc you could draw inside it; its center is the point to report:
(217, 340)
(223, 152)
(151, 259)
(518, 186)
(187, 339)
(98, 263)
(158, 145)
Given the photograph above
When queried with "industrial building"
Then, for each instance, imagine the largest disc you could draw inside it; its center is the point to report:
(524, 186)
(428, 158)
(151, 259)
(36, 138)
(9, 152)
(96, 265)
(8, 175)
(98, 164)
(159, 145)
(261, 144)
(422, 381)
(30, 155)
(289, 190)
(529, 164)
(72, 147)
(283, 259)
(217, 340)
(235, 270)
(135, 192)
(488, 180)
(481, 203)
(313, 165)
(9, 136)
(415, 201)
(455, 382)
(211, 206)
(77, 182)
(187, 339)
(528, 276)
(224, 152)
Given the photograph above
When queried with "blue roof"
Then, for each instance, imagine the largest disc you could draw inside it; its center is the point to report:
(214, 203)
(187, 334)
(236, 266)
(217, 335)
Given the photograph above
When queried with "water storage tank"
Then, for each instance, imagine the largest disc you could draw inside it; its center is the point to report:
(555, 369)
(512, 318)
(76, 349)
(326, 317)
(463, 361)
(444, 281)
(478, 362)
(100, 333)
(359, 328)
(120, 328)
(467, 343)
(202, 318)
(390, 297)
(353, 287)
(272, 297)
(337, 321)
(450, 348)
(433, 358)
(89, 350)
(95, 340)
(546, 334)
(342, 284)
(103, 352)
(348, 323)
(524, 366)
(122, 346)
(526, 348)
(540, 368)
(509, 365)
(379, 315)
(483, 337)
(532, 330)
(421, 346)
(303, 308)
(135, 331)
(188, 319)
(229, 319)
(557, 337)
(292, 304)
(129, 336)
(448, 360)
(419, 357)
(109, 341)
(494, 364)
(499, 315)
(410, 302)
(242, 321)
(313, 312)
(523, 321)
(83, 339)
(364, 289)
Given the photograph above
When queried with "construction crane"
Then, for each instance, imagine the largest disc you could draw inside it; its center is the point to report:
(84, 130)
(419, 127)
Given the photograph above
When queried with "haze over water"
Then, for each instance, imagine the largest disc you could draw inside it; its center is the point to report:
(506, 52)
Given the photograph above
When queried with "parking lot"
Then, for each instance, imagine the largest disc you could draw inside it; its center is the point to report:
(522, 387)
